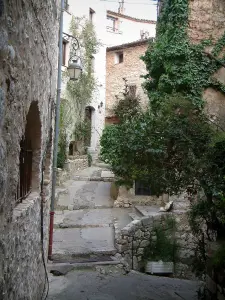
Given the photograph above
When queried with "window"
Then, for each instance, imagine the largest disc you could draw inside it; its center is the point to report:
(142, 189)
(66, 5)
(132, 90)
(64, 52)
(118, 57)
(112, 24)
(91, 14)
(30, 155)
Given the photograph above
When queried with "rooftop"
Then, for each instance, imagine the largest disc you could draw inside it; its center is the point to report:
(116, 14)
(130, 45)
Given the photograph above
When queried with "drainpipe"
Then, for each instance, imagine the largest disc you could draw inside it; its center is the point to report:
(56, 135)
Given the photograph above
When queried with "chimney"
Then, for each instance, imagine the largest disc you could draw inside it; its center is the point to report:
(121, 9)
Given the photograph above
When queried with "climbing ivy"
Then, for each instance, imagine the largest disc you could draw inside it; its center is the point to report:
(175, 64)
(78, 94)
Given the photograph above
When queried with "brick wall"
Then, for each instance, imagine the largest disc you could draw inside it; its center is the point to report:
(131, 68)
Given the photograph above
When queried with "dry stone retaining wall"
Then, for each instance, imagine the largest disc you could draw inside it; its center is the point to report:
(136, 236)
(72, 166)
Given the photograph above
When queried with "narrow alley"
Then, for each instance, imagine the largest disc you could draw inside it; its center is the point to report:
(84, 262)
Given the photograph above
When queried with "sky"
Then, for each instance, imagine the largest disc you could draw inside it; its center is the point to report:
(142, 9)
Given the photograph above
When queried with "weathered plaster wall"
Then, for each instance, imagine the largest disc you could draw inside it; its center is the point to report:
(131, 69)
(28, 60)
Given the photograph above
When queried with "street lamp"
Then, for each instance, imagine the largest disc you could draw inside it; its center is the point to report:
(74, 68)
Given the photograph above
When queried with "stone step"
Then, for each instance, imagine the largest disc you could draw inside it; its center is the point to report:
(74, 243)
(85, 194)
(93, 178)
(62, 268)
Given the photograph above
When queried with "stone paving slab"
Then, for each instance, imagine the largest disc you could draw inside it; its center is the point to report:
(94, 285)
(93, 218)
(80, 241)
(86, 194)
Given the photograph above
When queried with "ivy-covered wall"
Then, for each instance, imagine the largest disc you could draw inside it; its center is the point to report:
(206, 22)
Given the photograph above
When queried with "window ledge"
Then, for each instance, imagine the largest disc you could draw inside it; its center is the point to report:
(21, 209)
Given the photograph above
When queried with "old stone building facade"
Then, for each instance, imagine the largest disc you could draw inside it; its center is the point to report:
(124, 62)
(28, 60)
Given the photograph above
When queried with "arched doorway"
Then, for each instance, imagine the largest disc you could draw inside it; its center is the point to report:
(90, 126)
(30, 155)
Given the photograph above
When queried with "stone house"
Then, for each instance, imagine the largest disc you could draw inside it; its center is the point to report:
(123, 62)
(28, 60)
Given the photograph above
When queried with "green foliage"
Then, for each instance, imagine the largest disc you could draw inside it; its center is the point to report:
(164, 245)
(174, 64)
(218, 259)
(174, 146)
(79, 93)
(129, 106)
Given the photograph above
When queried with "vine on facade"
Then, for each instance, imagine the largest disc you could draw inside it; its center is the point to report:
(78, 94)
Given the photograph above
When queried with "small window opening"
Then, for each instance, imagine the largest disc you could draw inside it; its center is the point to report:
(132, 90)
(119, 58)
(64, 52)
(142, 189)
(71, 149)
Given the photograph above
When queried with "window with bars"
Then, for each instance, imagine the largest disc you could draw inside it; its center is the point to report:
(142, 189)
(30, 155)
(25, 170)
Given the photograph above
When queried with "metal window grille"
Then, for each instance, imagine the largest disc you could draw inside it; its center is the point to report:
(142, 189)
(25, 170)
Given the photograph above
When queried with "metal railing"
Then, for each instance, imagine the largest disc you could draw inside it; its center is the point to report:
(25, 171)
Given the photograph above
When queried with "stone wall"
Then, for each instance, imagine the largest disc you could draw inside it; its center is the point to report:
(215, 277)
(206, 21)
(28, 61)
(127, 198)
(131, 68)
(136, 236)
(72, 166)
